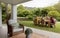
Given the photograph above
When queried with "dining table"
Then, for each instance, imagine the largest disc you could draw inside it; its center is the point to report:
(48, 21)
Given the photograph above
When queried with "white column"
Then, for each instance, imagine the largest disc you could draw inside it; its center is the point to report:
(0, 15)
(14, 12)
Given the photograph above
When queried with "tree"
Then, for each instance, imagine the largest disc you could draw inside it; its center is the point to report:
(21, 7)
(44, 12)
(26, 13)
(57, 6)
(52, 8)
(54, 14)
(20, 10)
(37, 12)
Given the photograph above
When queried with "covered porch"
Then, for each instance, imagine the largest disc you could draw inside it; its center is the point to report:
(3, 27)
(13, 3)
(36, 33)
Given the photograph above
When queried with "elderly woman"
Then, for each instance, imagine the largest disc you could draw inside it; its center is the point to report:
(52, 21)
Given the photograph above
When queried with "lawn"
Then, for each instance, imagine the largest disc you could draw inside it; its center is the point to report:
(31, 24)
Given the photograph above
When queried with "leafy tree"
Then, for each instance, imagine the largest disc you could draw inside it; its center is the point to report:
(44, 12)
(57, 6)
(52, 8)
(26, 13)
(22, 12)
(20, 9)
(37, 12)
(54, 14)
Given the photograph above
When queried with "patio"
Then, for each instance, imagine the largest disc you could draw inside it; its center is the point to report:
(36, 34)
(13, 3)
(20, 35)
(3, 28)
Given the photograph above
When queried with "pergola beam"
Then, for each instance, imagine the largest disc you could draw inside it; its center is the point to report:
(14, 2)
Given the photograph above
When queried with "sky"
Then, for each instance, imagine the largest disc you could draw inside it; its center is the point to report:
(40, 3)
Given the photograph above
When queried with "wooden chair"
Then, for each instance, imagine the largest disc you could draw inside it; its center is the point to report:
(11, 28)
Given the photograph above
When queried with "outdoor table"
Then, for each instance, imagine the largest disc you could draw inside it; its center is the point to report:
(48, 22)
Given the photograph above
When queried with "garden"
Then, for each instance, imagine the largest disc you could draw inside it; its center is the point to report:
(31, 13)
(31, 24)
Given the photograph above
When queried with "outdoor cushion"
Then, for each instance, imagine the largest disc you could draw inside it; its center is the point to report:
(15, 25)
(11, 21)
(17, 30)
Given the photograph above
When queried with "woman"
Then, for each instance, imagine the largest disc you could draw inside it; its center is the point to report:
(52, 21)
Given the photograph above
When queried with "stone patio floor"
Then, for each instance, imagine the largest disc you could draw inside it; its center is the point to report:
(34, 35)
(37, 33)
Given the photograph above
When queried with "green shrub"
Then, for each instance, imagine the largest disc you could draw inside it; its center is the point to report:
(30, 17)
(54, 14)
(58, 18)
(3, 17)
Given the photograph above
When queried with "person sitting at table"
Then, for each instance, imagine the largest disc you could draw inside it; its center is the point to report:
(52, 21)
(36, 20)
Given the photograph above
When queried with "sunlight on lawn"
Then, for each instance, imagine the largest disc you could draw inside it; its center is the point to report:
(30, 24)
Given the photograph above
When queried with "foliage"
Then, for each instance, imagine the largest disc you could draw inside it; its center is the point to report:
(26, 13)
(22, 12)
(30, 17)
(50, 8)
(44, 12)
(58, 18)
(57, 6)
(31, 24)
(20, 9)
(30, 13)
(37, 12)
(3, 11)
(54, 14)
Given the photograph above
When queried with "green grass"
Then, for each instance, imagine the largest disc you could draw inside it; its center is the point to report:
(31, 24)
